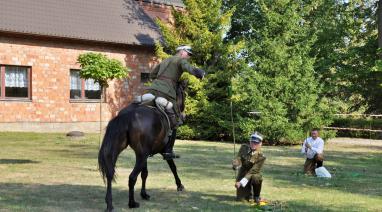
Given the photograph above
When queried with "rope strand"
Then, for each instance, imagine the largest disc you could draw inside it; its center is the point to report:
(233, 135)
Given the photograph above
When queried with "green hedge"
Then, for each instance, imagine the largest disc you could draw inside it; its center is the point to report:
(187, 133)
(359, 123)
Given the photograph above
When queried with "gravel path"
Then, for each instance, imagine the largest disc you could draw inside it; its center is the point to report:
(356, 141)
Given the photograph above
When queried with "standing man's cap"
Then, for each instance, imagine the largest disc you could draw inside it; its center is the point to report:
(188, 49)
(256, 138)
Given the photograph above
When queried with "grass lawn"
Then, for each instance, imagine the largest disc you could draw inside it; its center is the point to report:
(49, 172)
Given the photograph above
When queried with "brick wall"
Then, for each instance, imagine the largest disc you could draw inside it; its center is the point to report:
(51, 61)
(50, 108)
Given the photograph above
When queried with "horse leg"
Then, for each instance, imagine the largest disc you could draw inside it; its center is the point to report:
(168, 149)
(144, 174)
(172, 165)
(139, 164)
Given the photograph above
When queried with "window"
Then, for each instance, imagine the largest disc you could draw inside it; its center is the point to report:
(15, 82)
(81, 89)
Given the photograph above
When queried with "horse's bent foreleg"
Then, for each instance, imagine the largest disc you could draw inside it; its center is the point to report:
(139, 164)
(172, 165)
(144, 175)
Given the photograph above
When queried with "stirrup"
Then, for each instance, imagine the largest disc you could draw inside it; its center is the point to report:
(170, 133)
(172, 120)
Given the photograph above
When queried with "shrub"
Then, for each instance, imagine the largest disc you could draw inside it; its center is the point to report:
(358, 123)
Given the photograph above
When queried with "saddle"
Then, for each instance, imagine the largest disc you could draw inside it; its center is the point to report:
(160, 103)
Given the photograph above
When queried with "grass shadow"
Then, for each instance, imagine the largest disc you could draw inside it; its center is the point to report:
(17, 161)
(352, 172)
(313, 206)
(66, 197)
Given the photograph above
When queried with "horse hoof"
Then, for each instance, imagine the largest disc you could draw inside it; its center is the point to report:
(145, 196)
(134, 205)
(109, 210)
(180, 188)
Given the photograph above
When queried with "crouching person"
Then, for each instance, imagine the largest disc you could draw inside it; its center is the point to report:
(249, 162)
(313, 148)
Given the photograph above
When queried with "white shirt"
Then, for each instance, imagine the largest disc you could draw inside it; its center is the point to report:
(317, 147)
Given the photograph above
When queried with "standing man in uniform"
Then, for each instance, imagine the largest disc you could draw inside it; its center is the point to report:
(249, 161)
(313, 148)
(166, 76)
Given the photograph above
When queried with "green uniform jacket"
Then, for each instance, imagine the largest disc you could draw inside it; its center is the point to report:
(251, 163)
(167, 73)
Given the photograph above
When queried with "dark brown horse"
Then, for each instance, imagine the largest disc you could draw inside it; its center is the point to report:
(144, 129)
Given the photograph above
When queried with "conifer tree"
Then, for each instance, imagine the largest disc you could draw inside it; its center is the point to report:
(263, 49)
(279, 80)
(203, 25)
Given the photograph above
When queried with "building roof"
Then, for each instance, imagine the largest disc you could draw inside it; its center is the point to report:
(178, 3)
(112, 21)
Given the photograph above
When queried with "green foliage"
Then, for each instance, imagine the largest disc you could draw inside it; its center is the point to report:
(203, 27)
(328, 134)
(185, 132)
(297, 62)
(346, 54)
(359, 123)
(100, 68)
(279, 79)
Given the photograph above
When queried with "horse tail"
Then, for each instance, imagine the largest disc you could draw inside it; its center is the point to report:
(112, 145)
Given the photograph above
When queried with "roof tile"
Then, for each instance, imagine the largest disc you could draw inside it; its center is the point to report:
(116, 21)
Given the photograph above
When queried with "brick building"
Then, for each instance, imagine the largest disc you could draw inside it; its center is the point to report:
(40, 40)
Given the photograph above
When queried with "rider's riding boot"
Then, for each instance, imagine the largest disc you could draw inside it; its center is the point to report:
(256, 191)
(168, 150)
(172, 118)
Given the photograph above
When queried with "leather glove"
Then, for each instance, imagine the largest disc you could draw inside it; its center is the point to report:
(236, 164)
(320, 157)
(199, 73)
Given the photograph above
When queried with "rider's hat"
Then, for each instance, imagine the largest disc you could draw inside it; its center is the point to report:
(256, 137)
(188, 49)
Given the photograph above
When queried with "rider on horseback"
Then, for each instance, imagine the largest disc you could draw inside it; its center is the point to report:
(166, 76)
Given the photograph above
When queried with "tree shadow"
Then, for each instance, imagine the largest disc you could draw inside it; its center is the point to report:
(118, 100)
(313, 206)
(144, 38)
(39, 197)
(122, 92)
(187, 163)
(135, 14)
(363, 147)
(65, 197)
(17, 161)
(75, 153)
(137, 17)
(352, 172)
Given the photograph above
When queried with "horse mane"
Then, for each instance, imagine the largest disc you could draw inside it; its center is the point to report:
(181, 94)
